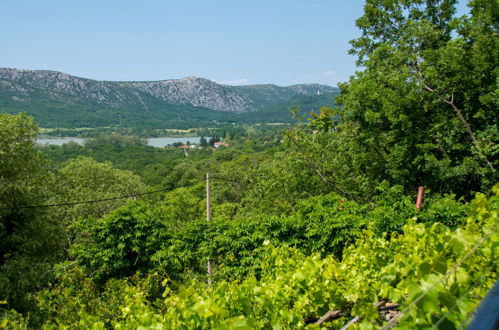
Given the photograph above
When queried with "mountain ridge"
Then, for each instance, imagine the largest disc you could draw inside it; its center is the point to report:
(196, 91)
(48, 93)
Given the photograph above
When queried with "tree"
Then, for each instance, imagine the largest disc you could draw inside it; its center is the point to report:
(203, 142)
(426, 99)
(30, 238)
(212, 140)
(84, 179)
(332, 158)
(122, 242)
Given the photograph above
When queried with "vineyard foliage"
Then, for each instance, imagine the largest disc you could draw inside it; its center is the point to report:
(434, 272)
(308, 220)
(138, 237)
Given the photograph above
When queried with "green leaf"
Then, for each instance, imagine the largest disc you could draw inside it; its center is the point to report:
(429, 303)
(425, 268)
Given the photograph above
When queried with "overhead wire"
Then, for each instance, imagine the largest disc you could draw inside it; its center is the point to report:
(476, 283)
(111, 198)
(227, 180)
(389, 325)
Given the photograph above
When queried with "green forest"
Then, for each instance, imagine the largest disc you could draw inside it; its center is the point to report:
(66, 117)
(312, 225)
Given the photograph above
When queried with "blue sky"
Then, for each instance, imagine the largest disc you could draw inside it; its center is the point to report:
(236, 42)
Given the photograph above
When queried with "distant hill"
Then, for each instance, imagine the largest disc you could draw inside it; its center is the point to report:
(57, 99)
(280, 112)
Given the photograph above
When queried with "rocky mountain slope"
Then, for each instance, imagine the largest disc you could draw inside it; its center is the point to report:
(24, 85)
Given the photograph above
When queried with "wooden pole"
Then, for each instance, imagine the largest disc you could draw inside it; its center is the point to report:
(208, 218)
(419, 201)
(208, 198)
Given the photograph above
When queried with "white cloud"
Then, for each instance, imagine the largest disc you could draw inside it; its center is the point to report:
(241, 81)
(324, 77)
(329, 73)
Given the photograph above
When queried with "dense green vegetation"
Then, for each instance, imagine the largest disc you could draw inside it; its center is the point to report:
(68, 112)
(78, 122)
(279, 113)
(66, 115)
(307, 220)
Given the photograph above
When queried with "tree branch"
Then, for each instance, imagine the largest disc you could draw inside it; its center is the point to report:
(328, 316)
(459, 114)
(463, 120)
(316, 170)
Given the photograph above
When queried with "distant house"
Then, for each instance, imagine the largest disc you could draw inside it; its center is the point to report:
(184, 147)
(220, 144)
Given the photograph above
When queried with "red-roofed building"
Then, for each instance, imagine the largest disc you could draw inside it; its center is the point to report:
(220, 144)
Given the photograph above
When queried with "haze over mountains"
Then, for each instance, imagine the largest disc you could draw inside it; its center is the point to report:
(59, 99)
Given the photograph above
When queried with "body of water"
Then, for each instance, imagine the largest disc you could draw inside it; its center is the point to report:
(59, 141)
(155, 142)
(164, 141)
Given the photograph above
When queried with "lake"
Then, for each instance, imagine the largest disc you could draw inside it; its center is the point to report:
(155, 142)
(164, 141)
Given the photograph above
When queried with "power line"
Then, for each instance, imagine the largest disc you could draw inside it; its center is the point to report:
(226, 180)
(110, 198)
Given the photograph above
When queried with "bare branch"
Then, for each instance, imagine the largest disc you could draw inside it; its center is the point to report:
(316, 169)
(349, 324)
(459, 114)
(328, 316)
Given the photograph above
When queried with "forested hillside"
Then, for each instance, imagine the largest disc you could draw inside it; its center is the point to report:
(59, 100)
(313, 226)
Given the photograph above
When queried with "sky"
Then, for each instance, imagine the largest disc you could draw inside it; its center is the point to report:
(235, 42)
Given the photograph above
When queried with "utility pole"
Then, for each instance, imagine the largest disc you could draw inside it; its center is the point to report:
(208, 218)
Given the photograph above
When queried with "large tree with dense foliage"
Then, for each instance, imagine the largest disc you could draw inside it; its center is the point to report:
(30, 239)
(425, 102)
(33, 238)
